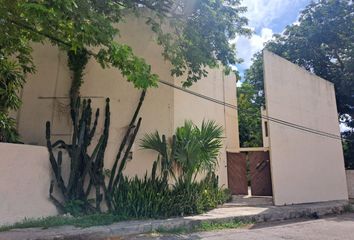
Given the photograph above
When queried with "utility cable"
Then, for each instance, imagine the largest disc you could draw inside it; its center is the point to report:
(275, 120)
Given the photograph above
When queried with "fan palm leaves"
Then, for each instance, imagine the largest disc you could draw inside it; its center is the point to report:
(166, 151)
(192, 149)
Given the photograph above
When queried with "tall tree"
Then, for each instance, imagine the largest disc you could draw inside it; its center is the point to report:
(250, 124)
(322, 42)
(197, 37)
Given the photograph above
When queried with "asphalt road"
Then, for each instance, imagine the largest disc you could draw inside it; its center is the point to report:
(333, 228)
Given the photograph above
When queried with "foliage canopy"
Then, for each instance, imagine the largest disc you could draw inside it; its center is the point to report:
(194, 35)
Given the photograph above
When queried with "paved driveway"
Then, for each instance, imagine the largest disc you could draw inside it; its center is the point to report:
(333, 228)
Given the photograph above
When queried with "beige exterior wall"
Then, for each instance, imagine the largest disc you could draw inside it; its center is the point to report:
(350, 182)
(53, 80)
(25, 181)
(305, 167)
(189, 107)
(164, 108)
(25, 170)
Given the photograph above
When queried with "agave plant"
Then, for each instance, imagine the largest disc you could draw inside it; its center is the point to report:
(192, 150)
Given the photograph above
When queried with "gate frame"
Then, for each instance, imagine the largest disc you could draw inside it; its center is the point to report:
(253, 149)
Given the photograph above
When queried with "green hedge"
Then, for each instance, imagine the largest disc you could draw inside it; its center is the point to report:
(152, 197)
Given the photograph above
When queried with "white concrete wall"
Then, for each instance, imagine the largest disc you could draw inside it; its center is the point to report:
(220, 87)
(160, 110)
(25, 170)
(53, 80)
(305, 167)
(24, 183)
(350, 182)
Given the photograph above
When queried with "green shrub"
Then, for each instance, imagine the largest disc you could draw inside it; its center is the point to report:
(192, 150)
(197, 197)
(151, 197)
(8, 132)
(75, 207)
(142, 198)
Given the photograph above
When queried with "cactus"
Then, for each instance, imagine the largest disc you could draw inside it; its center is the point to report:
(89, 168)
(121, 159)
(84, 167)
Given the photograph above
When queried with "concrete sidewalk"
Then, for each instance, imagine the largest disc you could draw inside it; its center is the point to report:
(222, 214)
(338, 227)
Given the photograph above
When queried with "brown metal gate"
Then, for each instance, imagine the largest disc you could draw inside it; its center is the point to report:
(237, 173)
(259, 170)
(261, 183)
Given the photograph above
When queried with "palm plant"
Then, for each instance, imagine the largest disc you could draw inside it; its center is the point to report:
(191, 151)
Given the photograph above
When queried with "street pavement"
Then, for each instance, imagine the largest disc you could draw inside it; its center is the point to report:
(340, 227)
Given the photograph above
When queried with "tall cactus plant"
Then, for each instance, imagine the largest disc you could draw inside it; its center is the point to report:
(120, 162)
(85, 167)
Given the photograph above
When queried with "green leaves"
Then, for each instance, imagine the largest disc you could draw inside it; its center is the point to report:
(8, 132)
(192, 150)
(11, 80)
(194, 35)
(203, 31)
(197, 148)
(152, 197)
(250, 130)
(132, 67)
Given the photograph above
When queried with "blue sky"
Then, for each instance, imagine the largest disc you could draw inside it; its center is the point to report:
(266, 17)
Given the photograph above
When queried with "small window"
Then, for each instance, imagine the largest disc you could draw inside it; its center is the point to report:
(266, 128)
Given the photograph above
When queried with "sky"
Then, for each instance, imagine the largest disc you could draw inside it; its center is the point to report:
(266, 17)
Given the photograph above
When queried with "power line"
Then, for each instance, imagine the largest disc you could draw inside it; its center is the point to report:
(275, 120)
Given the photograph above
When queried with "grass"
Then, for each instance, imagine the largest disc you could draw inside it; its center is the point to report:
(206, 227)
(107, 219)
(55, 221)
(348, 208)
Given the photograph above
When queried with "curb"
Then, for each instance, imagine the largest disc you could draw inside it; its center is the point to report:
(269, 214)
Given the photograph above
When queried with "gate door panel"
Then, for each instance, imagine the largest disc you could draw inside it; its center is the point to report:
(236, 172)
(261, 183)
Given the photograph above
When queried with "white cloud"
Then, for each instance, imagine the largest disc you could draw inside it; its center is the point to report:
(261, 13)
(246, 47)
(344, 128)
(265, 18)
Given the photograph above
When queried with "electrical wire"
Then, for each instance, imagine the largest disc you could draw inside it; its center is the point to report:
(271, 119)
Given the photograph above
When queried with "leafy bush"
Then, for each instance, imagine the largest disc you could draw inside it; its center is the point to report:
(8, 132)
(191, 151)
(197, 197)
(147, 197)
(12, 78)
(151, 197)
